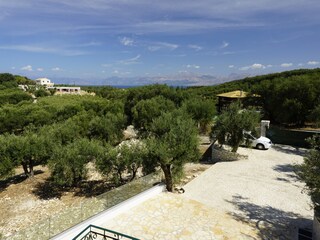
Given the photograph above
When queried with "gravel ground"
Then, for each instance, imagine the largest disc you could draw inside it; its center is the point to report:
(261, 190)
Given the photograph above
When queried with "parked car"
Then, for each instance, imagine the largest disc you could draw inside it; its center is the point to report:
(259, 143)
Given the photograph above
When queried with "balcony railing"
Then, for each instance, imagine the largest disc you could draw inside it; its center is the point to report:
(94, 232)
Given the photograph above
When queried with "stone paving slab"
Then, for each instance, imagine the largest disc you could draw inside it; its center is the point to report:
(262, 190)
(172, 216)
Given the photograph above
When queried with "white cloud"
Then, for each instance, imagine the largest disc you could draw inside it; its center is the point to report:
(162, 45)
(65, 51)
(286, 65)
(313, 63)
(224, 44)
(27, 68)
(89, 44)
(127, 41)
(120, 73)
(180, 26)
(56, 69)
(300, 64)
(129, 61)
(195, 47)
(28, 48)
(231, 66)
(253, 67)
(269, 66)
(40, 69)
(193, 66)
(257, 66)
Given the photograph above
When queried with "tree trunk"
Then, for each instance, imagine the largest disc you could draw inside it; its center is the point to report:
(31, 172)
(166, 168)
(120, 176)
(134, 173)
(235, 148)
(235, 142)
(25, 168)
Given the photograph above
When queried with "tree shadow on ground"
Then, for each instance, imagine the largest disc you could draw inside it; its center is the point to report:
(290, 150)
(207, 155)
(15, 180)
(271, 223)
(289, 170)
(49, 189)
(93, 188)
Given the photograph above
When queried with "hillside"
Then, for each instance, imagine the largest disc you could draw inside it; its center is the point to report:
(291, 98)
(9, 92)
(250, 83)
(8, 80)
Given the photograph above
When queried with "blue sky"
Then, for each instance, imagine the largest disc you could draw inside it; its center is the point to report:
(141, 41)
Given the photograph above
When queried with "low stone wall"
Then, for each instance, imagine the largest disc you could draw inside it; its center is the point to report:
(222, 155)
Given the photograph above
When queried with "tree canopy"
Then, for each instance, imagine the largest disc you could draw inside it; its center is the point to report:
(231, 123)
(309, 171)
(173, 142)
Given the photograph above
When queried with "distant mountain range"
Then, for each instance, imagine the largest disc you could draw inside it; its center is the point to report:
(172, 80)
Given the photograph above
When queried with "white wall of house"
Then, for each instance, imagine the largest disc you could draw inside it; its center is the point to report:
(66, 90)
(44, 82)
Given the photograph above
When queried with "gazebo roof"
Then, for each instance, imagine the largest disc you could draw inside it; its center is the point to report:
(234, 94)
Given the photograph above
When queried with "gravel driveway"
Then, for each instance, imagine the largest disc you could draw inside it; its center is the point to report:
(261, 190)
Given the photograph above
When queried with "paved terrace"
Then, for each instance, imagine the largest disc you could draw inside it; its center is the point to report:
(255, 198)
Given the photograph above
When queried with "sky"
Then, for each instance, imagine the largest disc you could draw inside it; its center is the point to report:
(181, 42)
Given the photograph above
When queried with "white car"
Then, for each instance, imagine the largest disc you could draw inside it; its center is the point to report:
(259, 143)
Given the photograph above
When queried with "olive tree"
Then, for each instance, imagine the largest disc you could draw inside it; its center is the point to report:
(127, 157)
(68, 162)
(202, 111)
(6, 164)
(173, 142)
(146, 110)
(27, 150)
(309, 171)
(231, 123)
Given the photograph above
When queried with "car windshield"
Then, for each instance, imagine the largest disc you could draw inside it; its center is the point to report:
(249, 136)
